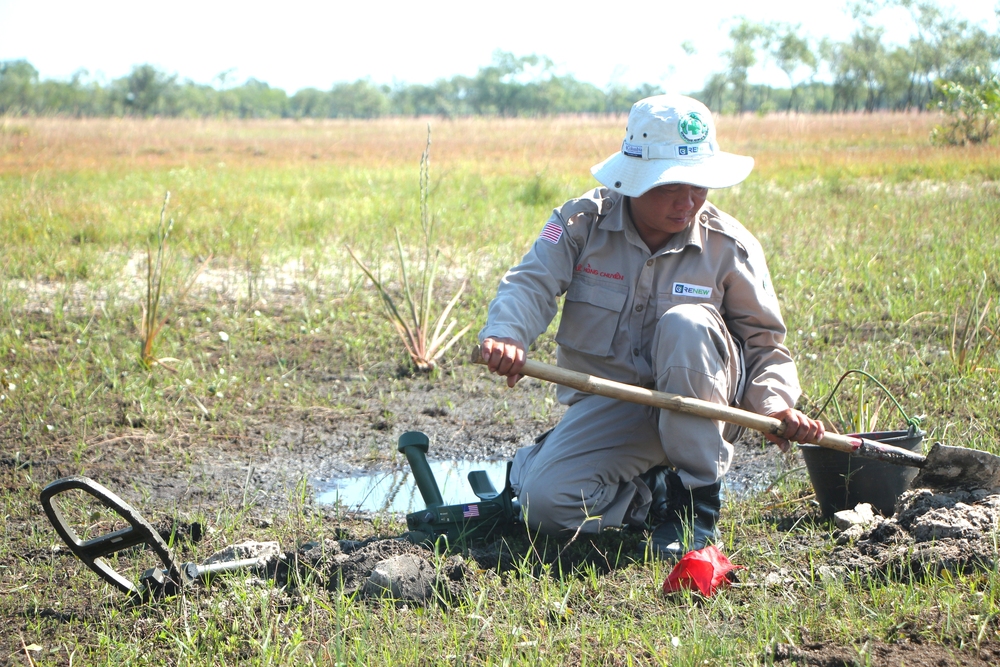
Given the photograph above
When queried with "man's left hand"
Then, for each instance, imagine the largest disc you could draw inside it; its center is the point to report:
(798, 428)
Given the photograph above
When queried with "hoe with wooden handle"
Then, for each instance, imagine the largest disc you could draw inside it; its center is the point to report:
(944, 467)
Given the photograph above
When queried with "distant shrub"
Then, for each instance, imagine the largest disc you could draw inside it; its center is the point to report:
(972, 110)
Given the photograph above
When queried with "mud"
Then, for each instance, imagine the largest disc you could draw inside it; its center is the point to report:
(468, 415)
(472, 416)
(929, 533)
(909, 651)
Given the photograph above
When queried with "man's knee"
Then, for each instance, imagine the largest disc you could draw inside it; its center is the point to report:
(691, 335)
(549, 510)
(541, 507)
(690, 318)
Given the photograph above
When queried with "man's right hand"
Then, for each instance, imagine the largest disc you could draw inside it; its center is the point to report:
(504, 356)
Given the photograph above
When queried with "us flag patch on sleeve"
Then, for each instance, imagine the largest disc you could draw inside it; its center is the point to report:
(551, 232)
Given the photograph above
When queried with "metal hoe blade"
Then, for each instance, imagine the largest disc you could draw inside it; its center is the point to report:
(958, 468)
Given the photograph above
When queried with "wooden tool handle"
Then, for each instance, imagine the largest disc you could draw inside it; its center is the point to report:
(693, 406)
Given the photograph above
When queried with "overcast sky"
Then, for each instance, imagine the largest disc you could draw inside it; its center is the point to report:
(301, 43)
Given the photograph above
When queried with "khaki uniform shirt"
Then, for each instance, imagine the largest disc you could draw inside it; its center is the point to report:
(616, 290)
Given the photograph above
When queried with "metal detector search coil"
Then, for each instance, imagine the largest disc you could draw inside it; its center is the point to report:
(94, 551)
(154, 582)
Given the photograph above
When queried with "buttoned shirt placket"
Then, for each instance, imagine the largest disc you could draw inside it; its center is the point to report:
(642, 308)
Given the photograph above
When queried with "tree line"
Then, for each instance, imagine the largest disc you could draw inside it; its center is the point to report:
(862, 73)
(497, 89)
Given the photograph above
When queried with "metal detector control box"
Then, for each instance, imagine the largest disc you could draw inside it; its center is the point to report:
(494, 513)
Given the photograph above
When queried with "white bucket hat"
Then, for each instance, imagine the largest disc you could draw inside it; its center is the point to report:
(670, 139)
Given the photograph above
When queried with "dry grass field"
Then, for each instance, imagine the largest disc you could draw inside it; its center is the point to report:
(861, 144)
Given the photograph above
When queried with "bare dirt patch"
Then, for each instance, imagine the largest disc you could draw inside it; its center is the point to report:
(912, 652)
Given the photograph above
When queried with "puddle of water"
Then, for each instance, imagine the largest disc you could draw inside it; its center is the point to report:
(396, 491)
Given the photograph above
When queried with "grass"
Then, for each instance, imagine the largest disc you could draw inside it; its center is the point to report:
(878, 243)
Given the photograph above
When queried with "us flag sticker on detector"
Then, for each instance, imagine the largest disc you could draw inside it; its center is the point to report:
(551, 232)
(470, 511)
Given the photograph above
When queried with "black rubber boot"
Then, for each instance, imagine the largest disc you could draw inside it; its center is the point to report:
(690, 524)
(662, 483)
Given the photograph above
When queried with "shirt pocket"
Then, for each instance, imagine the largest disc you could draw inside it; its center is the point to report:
(590, 317)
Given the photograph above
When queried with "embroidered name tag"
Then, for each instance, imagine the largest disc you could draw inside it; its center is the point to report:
(694, 291)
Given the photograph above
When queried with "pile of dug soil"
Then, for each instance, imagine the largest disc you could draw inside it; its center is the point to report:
(376, 568)
(930, 532)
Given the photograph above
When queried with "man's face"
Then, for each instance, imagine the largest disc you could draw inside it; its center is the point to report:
(667, 209)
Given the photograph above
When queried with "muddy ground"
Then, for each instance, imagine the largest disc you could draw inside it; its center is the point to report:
(280, 461)
(467, 414)
(470, 415)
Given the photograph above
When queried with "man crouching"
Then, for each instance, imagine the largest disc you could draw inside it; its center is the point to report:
(664, 291)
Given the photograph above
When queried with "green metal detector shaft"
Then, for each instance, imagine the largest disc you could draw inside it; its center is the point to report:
(414, 445)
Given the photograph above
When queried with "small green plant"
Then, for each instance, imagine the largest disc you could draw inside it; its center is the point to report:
(972, 110)
(971, 342)
(152, 320)
(253, 268)
(414, 326)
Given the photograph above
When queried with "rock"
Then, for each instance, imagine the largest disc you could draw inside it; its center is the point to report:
(931, 531)
(851, 533)
(404, 577)
(351, 574)
(861, 515)
(960, 522)
(828, 573)
(779, 578)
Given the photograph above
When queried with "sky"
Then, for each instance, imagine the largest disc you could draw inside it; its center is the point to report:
(296, 44)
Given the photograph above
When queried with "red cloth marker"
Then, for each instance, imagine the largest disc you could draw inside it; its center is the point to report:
(704, 570)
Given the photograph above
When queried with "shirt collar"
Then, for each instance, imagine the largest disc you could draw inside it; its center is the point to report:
(614, 221)
(617, 220)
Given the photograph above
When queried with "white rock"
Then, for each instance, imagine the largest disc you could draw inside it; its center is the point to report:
(861, 515)
(773, 579)
(829, 573)
(851, 534)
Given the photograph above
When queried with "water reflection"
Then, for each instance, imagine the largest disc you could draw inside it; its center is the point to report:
(396, 491)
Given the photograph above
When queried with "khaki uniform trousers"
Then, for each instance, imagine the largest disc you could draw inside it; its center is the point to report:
(584, 475)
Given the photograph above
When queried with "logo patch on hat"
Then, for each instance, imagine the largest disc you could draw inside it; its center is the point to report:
(692, 127)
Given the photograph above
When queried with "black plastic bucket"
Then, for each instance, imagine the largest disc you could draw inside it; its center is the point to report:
(843, 480)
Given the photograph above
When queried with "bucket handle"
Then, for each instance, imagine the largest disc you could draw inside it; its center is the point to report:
(913, 423)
